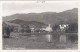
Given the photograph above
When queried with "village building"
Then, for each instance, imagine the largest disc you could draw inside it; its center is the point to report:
(63, 27)
(32, 28)
(47, 28)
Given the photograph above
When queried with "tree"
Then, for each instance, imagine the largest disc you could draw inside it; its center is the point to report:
(55, 27)
(73, 28)
(27, 29)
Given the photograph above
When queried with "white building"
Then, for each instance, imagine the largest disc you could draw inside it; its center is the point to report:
(48, 28)
(63, 27)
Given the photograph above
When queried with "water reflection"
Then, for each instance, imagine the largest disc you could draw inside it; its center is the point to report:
(45, 37)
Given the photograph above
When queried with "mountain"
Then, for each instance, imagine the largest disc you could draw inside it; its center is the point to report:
(22, 22)
(46, 17)
(66, 16)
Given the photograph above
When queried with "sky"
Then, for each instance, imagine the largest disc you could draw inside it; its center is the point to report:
(13, 8)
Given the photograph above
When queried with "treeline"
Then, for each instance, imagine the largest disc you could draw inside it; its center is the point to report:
(72, 27)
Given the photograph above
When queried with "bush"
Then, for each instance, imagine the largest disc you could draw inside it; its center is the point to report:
(26, 29)
(55, 27)
(73, 28)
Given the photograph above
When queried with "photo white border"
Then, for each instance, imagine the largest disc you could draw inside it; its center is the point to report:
(40, 50)
(36, 0)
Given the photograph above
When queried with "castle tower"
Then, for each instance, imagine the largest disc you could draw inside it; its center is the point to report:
(49, 28)
(49, 25)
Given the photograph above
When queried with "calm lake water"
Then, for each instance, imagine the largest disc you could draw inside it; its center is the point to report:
(41, 41)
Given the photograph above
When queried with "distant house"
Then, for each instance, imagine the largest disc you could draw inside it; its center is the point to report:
(32, 28)
(63, 27)
(40, 29)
